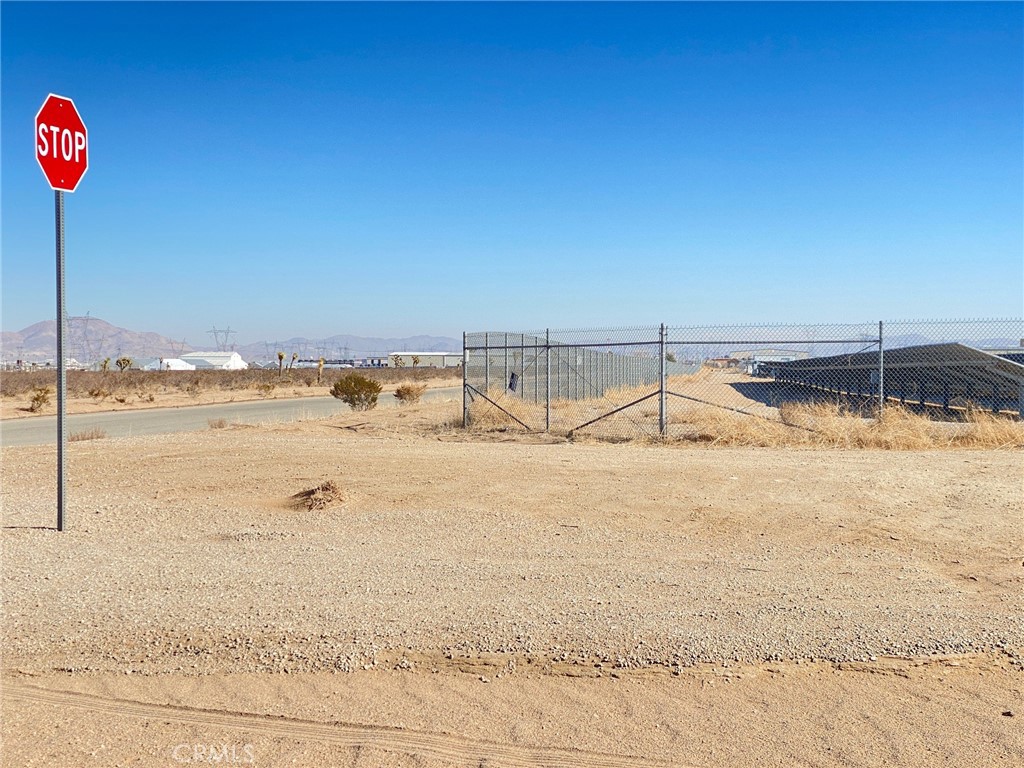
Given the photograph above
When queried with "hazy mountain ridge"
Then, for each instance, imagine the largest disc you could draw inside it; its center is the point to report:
(90, 339)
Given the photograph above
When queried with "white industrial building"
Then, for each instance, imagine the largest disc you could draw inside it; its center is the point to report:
(222, 361)
(423, 359)
(175, 364)
(162, 364)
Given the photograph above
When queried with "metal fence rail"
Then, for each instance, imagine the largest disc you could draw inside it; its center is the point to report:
(626, 382)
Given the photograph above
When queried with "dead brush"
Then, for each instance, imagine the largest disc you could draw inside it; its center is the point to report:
(99, 393)
(407, 394)
(88, 434)
(320, 497)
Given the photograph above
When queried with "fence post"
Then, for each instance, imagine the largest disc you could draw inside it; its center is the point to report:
(881, 371)
(487, 365)
(465, 391)
(505, 385)
(536, 372)
(547, 386)
(522, 366)
(662, 416)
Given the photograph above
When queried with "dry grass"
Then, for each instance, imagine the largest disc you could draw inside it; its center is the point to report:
(799, 424)
(487, 417)
(623, 395)
(827, 425)
(89, 434)
(987, 430)
(217, 423)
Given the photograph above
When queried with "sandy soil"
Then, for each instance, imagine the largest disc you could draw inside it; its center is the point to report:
(500, 600)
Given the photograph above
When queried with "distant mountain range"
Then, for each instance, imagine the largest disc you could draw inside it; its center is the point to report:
(90, 339)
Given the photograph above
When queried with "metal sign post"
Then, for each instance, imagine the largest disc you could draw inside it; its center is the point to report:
(62, 151)
(62, 367)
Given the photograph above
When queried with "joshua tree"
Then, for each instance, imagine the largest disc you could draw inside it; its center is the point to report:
(319, 371)
(123, 363)
(280, 364)
(105, 365)
(415, 360)
(399, 362)
(295, 356)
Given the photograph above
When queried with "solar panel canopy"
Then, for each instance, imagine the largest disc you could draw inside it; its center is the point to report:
(938, 375)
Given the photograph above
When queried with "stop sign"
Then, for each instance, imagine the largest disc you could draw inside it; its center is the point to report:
(62, 143)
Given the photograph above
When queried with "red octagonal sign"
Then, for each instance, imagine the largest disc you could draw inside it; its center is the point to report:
(62, 143)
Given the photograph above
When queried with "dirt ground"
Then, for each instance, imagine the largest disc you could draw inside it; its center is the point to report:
(501, 600)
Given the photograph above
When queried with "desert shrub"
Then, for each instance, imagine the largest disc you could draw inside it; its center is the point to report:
(99, 393)
(410, 393)
(217, 423)
(359, 392)
(39, 400)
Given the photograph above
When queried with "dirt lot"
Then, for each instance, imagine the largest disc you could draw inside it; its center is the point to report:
(501, 600)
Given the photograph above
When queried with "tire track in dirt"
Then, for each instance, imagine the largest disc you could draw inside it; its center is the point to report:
(435, 745)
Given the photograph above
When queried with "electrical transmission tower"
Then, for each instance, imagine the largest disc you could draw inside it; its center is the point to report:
(225, 345)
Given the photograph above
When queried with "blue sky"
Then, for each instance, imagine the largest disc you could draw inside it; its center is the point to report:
(390, 169)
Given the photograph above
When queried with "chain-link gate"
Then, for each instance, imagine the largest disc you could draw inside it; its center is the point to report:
(651, 381)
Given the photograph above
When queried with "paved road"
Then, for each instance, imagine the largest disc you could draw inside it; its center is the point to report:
(39, 430)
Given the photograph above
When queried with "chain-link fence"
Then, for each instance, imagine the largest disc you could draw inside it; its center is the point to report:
(630, 382)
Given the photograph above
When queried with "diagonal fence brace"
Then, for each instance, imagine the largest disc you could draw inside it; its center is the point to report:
(485, 397)
(620, 408)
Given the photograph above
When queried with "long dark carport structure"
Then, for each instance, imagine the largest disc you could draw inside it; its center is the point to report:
(949, 376)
